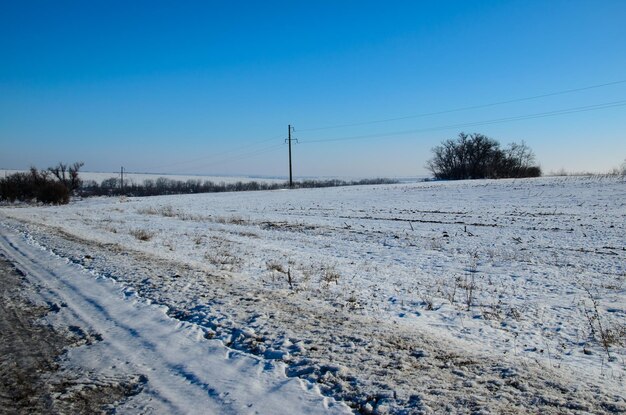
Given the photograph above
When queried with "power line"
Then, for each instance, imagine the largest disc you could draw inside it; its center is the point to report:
(216, 161)
(275, 147)
(214, 155)
(427, 114)
(243, 156)
(476, 123)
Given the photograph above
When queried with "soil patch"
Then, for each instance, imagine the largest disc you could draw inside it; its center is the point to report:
(32, 379)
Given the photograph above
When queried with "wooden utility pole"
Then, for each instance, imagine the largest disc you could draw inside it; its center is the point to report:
(289, 140)
(290, 173)
(122, 179)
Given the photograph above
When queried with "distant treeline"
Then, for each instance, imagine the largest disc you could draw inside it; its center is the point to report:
(166, 186)
(56, 184)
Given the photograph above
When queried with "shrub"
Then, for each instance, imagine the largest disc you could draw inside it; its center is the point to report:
(41, 186)
(476, 156)
(53, 193)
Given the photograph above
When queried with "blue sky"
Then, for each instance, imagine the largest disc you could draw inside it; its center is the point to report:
(210, 87)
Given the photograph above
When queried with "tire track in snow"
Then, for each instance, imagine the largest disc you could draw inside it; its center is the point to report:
(185, 374)
(36, 270)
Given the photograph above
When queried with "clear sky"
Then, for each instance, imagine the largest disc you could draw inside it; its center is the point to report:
(210, 86)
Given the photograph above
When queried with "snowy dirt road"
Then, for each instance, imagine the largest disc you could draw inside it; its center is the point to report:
(173, 369)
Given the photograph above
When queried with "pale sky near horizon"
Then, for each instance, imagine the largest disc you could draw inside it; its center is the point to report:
(209, 87)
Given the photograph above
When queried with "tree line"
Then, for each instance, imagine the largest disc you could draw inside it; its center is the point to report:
(167, 186)
(56, 184)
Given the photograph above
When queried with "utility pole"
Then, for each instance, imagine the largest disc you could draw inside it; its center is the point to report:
(290, 129)
(122, 179)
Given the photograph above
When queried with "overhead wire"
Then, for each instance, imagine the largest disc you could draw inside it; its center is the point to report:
(214, 159)
(471, 107)
(213, 155)
(476, 123)
(259, 152)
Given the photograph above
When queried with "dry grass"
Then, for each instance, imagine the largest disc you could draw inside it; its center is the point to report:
(330, 275)
(275, 266)
(231, 220)
(166, 211)
(141, 234)
(606, 332)
(223, 260)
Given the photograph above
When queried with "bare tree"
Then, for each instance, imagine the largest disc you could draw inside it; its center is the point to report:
(68, 175)
(476, 156)
(518, 160)
(75, 181)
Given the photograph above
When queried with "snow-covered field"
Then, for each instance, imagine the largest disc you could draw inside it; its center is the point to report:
(441, 296)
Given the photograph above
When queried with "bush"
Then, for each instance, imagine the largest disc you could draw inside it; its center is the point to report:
(16, 187)
(476, 156)
(53, 193)
(52, 186)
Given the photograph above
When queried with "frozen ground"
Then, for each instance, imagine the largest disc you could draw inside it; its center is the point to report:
(168, 366)
(32, 380)
(496, 296)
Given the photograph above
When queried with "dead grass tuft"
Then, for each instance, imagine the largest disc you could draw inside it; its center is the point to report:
(142, 234)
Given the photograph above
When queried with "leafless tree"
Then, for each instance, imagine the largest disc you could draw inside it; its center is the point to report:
(476, 156)
(68, 175)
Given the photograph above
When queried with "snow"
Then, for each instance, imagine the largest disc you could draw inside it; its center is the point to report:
(527, 272)
(185, 372)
